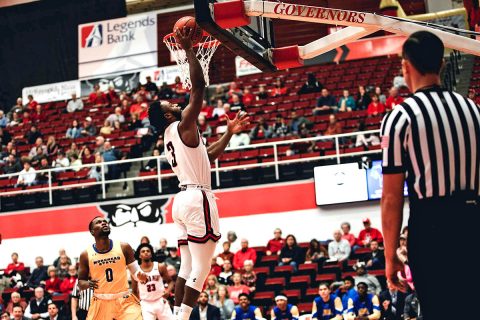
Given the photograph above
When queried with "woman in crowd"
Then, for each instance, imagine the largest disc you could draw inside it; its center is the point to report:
(316, 253)
(224, 303)
(72, 150)
(279, 89)
(363, 98)
(291, 254)
(52, 146)
(107, 128)
(74, 131)
(212, 288)
(237, 288)
(225, 276)
(52, 285)
(86, 155)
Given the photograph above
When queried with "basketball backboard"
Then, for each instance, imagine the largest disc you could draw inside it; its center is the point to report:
(252, 41)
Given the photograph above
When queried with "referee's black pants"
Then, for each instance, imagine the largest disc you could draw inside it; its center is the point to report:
(442, 250)
(82, 314)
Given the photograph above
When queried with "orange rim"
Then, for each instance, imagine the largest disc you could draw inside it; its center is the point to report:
(170, 39)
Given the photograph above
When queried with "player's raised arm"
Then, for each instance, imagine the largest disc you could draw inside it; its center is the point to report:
(83, 270)
(132, 264)
(166, 279)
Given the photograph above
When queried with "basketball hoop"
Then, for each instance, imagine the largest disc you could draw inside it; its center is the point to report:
(205, 50)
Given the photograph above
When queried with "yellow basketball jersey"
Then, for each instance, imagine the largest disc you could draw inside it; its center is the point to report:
(109, 268)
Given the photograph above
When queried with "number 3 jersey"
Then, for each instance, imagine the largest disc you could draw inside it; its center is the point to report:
(191, 165)
(154, 288)
(109, 268)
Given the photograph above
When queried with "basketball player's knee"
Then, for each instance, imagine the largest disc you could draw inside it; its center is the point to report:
(198, 276)
(185, 269)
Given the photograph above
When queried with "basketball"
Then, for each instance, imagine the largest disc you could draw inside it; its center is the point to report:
(190, 23)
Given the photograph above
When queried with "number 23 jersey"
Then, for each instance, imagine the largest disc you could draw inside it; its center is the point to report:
(190, 164)
(153, 289)
(109, 268)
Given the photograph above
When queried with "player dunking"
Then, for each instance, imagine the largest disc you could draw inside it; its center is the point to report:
(194, 209)
(153, 294)
(103, 268)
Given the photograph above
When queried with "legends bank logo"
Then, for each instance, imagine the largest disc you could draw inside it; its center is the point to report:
(92, 36)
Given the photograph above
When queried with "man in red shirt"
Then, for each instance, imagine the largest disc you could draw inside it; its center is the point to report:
(140, 108)
(393, 99)
(15, 265)
(375, 107)
(243, 254)
(32, 104)
(347, 235)
(368, 234)
(226, 254)
(275, 245)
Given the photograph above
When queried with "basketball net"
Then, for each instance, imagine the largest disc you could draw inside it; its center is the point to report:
(205, 50)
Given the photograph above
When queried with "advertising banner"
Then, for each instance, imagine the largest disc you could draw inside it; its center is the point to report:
(243, 67)
(53, 91)
(160, 75)
(121, 82)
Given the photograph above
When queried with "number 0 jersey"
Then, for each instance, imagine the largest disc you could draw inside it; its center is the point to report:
(153, 289)
(109, 268)
(191, 165)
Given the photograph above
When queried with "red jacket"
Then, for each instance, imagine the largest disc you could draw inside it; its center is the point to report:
(392, 102)
(374, 109)
(53, 285)
(275, 245)
(19, 267)
(241, 256)
(68, 284)
(373, 234)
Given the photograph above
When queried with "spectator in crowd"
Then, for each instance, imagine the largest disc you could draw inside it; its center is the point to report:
(375, 259)
(173, 259)
(162, 253)
(38, 115)
(236, 104)
(326, 103)
(140, 108)
(312, 85)
(237, 288)
(346, 291)
(99, 144)
(346, 102)
(150, 86)
(225, 277)
(363, 98)
(283, 310)
(42, 177)
(75, 162)
(279, 89)
(219, 94)
(399, 80)
(393, 302)
(402, 249)
(381, 97)
(112, 154)
(262, 93)
(224, 303)
(211, 288)
(107, 128)
(32, 104)
(116, 116)
(52, 146)
(165, 92)
(364, 306)
(142, 92)
(375, 107)
(5, 315)
(74, 131)
(12, 164)
(9, 149)
(248, 97)
(393, 99)
(15, 119)
(372, 282)
(261, 130)
(95, 172)
(38, 143)
(338, 249)
(3, 120)
(28, 176)
(38, 307)
(26, 118)
(316, 252)
(33, 135)
(38, 275)
(117, 126)
(334, 127)
(97, 98)
(17, 314)
(246, 311)
(219, 110)
(152, 163)
(89, 129)
(74, 104)
(226, 254)
(18, 106)
(5, 137)
(239, 139)
(61, 161)
(178, 90)
(86, 155)
(134, 122)
(52, 284)
(365, 140)
(204, 310)
(245, 253)
(249, 277)
(347, 235)
(327, 305)
(69, 281)
(53, 312)
(297, 122)
(275, 245)
(412, 310)
(368, 234)
(233, 89)
(472, 95)
(61, 253)
(291, 254)
(205, 129)
(38, 157)
(15, 300)
(207, 110)
(215, 268)
(280, 128)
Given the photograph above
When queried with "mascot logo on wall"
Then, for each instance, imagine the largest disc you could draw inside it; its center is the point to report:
(123, 213)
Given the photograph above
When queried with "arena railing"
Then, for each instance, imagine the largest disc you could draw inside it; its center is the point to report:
(50, 187)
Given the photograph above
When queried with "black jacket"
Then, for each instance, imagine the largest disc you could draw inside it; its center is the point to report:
(38, 275)
(296, 253)
(213, 313)
(398, 306)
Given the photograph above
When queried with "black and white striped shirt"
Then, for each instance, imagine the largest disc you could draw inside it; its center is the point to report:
(84, 297)
(434, 136)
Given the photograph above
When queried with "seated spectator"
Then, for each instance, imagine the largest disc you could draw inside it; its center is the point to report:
(61, 161)
(283, 310)
(116, 116)
(107, 128)
(226, 254)
(262, 93)
(211, 288)
(162, 253)
(15, 266)
(399, 80)
(316, 253)
(39, 115)
(393, 99)
(239, 139)
(73, 149)
(275, 245)
(140, 108)
(402, 249)
(75, 162)
(368, 234)
(134, 122)
(225, 277)
(38, 157)
(74, 104)
(38, 307)
(18, 106)
(246, 311)
(89, 129)
(372, 282)
(42, 177)
(347, 235)
(249, 277)
(26, 118)
(152, 164)
(86, 155)
(69, 281)
(5, 137)
(38, 275)
(334, 127)
(61, 253)
(117, 126)
(15, 120)
(9, 149)
(245, 253)
(346, 291)
(206, 110)
(173, 259)
(233, 89)
(165, 92)
(365, 140)
(112, 154)
(112, 95)
(393, 302)
(326, 103)
(248, 97)
(33, 135)
(205, 310)
(338, 249)
(375, 107)
(224, 303)
(31, 104)
(150, 86)
(279, 89)
(364, 306)
(261, 130)
(326, 305)
(97, 98)
(346, 102)
(3, 120)
(291, 254)
(219, 110)
(312, 85)
(52, 284)
(96, 172)
(237, 288)
(297, 122)
(363, 98)
(375, 259)
(28, 176)
(412, 310)
(203, 126)
(38, 143)
(219, 94)
(17, 314)
(74, 131)
(280, 128)
(236, 104)
(381, 97)
(215, 269)
(12, 164)
(53, 312)
(142, 92)
(15, 300)
(178, 90)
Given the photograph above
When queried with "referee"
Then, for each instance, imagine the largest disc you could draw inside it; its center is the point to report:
(433, 139)
(80, 302)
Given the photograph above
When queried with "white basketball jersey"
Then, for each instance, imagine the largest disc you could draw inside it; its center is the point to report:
(191, 165)
(153, 289)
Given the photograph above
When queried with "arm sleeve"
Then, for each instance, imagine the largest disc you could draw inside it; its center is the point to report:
(394, 135)
(27, 313)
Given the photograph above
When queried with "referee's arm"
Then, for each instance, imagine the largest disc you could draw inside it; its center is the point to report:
(395, 128)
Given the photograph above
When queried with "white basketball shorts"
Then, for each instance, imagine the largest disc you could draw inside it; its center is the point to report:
(160, 310)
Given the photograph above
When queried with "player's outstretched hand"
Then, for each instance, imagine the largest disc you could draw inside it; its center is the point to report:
(93, 284)
(142, 277)
(183, 36)
(239, 123)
